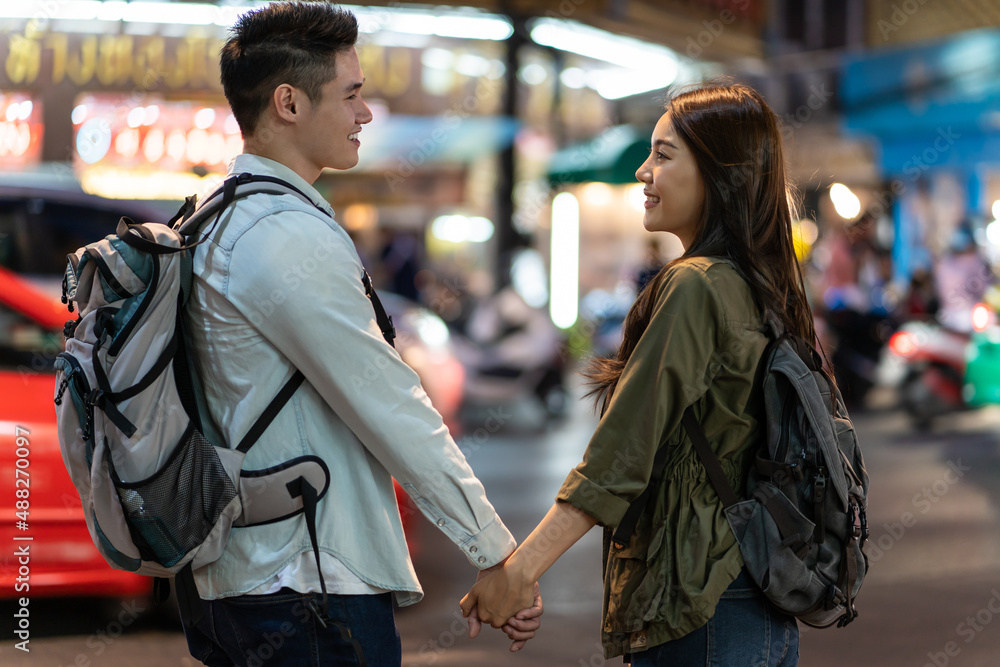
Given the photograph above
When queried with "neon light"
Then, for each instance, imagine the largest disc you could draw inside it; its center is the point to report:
(564, 263)
(463, 24)
(660, 66)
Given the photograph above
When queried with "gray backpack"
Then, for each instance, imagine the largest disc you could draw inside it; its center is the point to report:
(801, 522)
(159, 498)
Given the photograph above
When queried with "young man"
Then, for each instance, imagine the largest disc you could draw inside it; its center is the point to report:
(278, 287)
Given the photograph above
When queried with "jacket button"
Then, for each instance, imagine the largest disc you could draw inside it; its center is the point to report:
(440, 522)
(473, 550)
(482, 559)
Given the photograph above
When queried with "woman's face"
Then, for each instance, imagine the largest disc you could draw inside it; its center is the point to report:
(675, 193)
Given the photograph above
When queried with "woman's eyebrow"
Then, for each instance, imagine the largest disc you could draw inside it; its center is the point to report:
(662, 142)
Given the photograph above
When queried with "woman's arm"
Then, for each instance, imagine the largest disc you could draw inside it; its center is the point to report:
(499, 595)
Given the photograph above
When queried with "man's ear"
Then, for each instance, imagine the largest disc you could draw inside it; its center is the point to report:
(286, 100)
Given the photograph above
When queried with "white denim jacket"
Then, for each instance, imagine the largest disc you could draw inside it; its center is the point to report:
(278, 287)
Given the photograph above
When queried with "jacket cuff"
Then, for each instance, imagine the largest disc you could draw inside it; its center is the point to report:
(489, 546)
(593, 499)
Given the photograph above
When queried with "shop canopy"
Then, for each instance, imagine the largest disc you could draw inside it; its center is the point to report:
(611, 157)
(929, 105)
(407, 143)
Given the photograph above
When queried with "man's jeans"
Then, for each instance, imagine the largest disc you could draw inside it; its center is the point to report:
(280, 629)
(746, 631)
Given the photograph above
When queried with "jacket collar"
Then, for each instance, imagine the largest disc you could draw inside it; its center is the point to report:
(255, 164)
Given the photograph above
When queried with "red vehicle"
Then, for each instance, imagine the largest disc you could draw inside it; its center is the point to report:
(37, 499)
(39, 507)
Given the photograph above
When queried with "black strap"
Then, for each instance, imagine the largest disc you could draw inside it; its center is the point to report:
(708, 459)
(188, 600)
(300, 486)
(623, 532)
(246, 177)
(161, 590)
(228, 191)
(130, 232)
(168, 354)
(272, 410)
(384, 320)
(100, 397)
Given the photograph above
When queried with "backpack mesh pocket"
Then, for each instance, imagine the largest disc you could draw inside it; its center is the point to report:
(172, 512)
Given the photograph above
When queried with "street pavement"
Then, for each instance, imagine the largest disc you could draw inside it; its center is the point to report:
(932, 596)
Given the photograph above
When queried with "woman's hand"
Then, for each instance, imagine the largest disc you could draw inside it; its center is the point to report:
(500, 595)
(509, 592)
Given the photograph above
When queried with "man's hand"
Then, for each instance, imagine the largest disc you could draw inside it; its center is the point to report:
(499, 595)
(520, 628)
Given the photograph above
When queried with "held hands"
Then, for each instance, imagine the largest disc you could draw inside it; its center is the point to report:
(504, 599)
(507, 595)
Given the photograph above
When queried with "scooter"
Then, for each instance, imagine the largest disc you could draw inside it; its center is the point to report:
(934, 360)
(512, 351)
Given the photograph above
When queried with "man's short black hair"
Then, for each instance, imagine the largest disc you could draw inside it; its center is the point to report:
(286, 42)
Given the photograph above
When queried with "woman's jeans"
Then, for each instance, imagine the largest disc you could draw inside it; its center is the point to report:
(281, 629)
(746, 631)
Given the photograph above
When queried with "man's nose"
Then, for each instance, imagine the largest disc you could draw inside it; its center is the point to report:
(366, 115)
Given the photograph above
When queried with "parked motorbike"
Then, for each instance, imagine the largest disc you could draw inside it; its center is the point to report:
(934, 361)
(512, 351)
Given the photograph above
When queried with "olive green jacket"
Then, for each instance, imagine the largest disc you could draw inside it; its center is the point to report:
(702, 347)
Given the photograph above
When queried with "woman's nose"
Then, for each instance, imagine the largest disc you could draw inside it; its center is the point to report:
(641, 174)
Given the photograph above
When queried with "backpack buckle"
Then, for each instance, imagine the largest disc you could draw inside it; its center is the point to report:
(834, 598)
(69, 329)
(95, 398)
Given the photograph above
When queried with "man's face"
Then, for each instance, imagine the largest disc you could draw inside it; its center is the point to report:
(329, 129)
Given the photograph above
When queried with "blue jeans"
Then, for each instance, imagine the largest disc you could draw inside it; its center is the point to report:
(280, 629)
(746, 631)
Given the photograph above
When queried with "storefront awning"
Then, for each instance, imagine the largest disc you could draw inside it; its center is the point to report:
(929, 104)
(611, 157)
(407, 143)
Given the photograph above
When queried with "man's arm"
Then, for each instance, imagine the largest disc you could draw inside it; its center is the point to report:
(302, 275)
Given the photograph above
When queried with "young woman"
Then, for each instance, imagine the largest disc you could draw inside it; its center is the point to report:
(676, 593)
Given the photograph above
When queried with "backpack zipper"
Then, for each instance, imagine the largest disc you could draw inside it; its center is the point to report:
(79, 379)
(819, 504)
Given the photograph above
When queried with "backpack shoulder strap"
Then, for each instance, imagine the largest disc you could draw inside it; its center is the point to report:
(708, 459)
(623, 532)
(237, 186)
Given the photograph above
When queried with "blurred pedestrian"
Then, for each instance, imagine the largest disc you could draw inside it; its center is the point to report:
(651, 264)
(279, 288)
(921, 300)
(400, 263)
(961, 278)
(677, 593)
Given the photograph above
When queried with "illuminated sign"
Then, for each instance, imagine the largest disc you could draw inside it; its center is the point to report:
(20, 130)
(148, 147)
(148, 132)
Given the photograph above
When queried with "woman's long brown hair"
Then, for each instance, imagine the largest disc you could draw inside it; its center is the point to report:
(736, 142)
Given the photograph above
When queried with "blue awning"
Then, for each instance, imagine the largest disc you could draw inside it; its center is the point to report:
(409, 142)
(933, 103)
